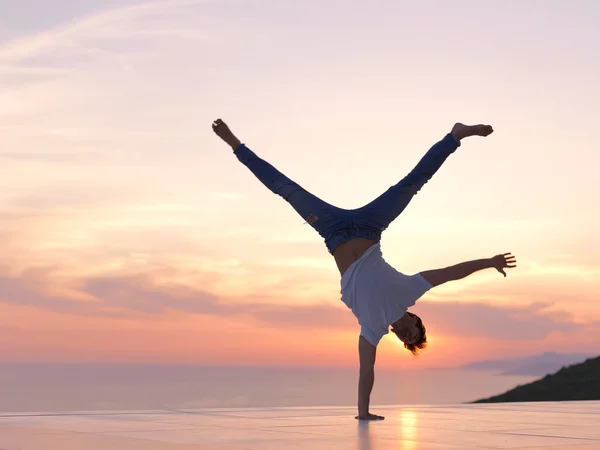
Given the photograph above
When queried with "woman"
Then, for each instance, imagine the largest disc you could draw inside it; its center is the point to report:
(377, 294)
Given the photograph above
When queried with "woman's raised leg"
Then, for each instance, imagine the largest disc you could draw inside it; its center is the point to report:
(322, 216)
(380, 213)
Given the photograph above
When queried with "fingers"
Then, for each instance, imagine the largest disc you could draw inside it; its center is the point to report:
(510, 260)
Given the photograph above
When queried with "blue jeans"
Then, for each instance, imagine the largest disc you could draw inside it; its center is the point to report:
(336, 225)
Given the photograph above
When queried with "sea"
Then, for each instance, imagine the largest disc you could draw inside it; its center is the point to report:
(75, 387)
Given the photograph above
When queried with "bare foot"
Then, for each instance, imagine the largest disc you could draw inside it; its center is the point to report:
(462, 131)
(222, 130)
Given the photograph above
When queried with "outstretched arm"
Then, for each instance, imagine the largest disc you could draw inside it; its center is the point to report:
(366, 352)
(463, 270)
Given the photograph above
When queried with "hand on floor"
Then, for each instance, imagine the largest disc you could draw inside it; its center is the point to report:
(369, 416)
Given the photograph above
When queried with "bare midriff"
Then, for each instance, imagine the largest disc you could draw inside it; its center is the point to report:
(348, 252)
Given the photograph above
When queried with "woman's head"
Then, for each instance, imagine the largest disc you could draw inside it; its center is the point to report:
(411, 331)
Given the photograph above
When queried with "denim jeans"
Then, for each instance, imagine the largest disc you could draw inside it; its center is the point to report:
(336, 225)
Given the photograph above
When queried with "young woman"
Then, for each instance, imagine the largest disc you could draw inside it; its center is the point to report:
(377, 294)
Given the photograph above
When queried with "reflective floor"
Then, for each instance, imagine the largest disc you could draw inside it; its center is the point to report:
(565, 425)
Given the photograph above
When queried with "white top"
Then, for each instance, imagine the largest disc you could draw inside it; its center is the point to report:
(378, 294)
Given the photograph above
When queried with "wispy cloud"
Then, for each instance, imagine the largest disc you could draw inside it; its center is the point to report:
(55, 158)
(479, 320)
(65, 87)
(142, 295)
(100, 25)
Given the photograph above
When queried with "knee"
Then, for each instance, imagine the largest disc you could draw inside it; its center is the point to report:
(285, 189)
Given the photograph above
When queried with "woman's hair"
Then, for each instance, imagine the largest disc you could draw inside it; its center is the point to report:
(415, 347)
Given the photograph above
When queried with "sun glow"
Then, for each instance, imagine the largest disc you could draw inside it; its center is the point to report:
(408, 429)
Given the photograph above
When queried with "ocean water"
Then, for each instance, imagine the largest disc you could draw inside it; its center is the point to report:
(46, 388)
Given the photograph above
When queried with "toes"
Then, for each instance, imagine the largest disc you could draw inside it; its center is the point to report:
(217, 124)
(486, 130)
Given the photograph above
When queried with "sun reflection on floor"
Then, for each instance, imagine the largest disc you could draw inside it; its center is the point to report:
(408, 430)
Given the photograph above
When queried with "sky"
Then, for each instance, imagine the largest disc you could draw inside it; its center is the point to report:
(130, 233)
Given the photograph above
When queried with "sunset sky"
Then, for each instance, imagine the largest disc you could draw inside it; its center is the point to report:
(130, 233)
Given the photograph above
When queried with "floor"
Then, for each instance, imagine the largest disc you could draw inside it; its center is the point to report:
(557, 426)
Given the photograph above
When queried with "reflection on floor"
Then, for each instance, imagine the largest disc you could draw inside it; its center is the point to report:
(557, 426)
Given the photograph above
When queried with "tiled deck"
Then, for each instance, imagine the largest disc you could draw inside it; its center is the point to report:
(567, 425)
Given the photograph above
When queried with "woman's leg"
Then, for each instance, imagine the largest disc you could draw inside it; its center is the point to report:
(385, 208)
(322, 216)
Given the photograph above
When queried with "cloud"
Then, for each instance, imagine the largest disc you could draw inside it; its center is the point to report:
(472, 320)
(28, 291)
(563, 287)
(141, 296)
(58, 158)
(79, 73)
(100, 25)
(138, 293)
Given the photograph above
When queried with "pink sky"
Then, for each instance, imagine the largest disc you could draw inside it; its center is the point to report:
(130, 233)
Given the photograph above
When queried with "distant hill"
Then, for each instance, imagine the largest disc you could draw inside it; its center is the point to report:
(534, 365)
(576, 382)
